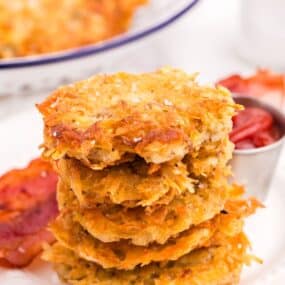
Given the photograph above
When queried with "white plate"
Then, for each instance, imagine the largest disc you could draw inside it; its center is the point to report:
(20, 136)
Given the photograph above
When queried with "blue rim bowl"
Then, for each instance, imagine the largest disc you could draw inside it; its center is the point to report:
(95, 48)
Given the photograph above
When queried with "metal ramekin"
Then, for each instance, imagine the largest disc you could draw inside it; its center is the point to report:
(254, 168)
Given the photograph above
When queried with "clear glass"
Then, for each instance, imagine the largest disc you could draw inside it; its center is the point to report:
(262, 40)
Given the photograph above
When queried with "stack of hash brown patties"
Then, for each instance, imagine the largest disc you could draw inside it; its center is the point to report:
(143, 193)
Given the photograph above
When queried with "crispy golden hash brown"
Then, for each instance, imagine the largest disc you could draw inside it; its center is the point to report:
(216, 265)
(50, 25)
(124, 255)
(27, 205)
(110, 223)
(130, 184)
(158, 116)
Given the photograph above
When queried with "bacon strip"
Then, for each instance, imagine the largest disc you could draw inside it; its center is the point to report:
(264, 84)
(27, 205)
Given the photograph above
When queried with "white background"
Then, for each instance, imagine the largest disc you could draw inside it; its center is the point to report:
(206, 40)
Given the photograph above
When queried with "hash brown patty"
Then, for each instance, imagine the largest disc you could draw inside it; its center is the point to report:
(46, 26)
(130, 184)
(159, 116)
(124, 255)
(110, 223)
(216, 265)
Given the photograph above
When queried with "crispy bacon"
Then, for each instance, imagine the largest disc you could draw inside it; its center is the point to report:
(264, 84)
(27, 205)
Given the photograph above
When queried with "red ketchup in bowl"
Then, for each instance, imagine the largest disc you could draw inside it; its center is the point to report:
(254, 127)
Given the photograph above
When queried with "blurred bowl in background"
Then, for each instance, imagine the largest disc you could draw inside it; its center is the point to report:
(45, 72)
(255, 168)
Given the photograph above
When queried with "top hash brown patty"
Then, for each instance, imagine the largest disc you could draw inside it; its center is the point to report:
(159, 116)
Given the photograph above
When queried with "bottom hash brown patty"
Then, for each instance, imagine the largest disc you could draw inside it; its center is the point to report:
(216, 265)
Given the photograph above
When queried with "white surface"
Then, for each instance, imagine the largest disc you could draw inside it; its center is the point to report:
(205, 41)
(22, 135)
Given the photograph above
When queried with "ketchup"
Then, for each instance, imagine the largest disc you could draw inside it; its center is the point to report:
(252, 128)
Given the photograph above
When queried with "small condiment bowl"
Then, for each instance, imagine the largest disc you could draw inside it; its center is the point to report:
(254, 168)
